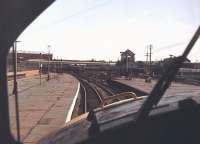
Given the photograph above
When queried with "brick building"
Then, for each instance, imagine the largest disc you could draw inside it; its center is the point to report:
(24, 56)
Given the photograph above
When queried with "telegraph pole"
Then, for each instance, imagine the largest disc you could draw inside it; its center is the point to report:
(146, 66)
(150, 54)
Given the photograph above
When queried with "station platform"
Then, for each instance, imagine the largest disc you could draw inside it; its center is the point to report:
(22, 74)
(175, 88)
(43, 108)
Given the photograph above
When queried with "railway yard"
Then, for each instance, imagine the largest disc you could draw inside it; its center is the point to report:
(50, 105)
(97, 91)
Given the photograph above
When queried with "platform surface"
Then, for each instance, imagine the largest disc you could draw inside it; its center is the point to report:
(43, 108)
(174, 89)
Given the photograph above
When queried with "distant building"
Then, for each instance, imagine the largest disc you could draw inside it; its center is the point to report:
(24, 56)
(127, 62)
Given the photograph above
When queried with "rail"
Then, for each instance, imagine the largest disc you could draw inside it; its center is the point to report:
(90, 95)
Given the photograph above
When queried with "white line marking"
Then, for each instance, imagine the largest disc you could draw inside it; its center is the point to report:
(69, 115)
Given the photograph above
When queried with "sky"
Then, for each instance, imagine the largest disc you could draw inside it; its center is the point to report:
(101, 29)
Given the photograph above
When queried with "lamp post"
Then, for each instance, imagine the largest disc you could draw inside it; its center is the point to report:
(171, 56)
(61, 66)
(57, 65)
(40, 68)
(15, 54)
(15, 91)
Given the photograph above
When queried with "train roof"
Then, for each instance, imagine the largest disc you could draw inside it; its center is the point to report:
(116, 124)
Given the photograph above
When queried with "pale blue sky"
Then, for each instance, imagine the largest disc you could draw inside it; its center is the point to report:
(100, 29)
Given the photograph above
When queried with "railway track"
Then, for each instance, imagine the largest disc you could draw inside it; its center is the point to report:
(91, 98)
(93, 94)
(107, 90)
(96, 92)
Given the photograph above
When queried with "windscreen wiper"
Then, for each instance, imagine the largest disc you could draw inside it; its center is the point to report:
(165, 81)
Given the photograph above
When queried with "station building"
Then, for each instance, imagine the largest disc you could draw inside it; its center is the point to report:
(127, 63)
